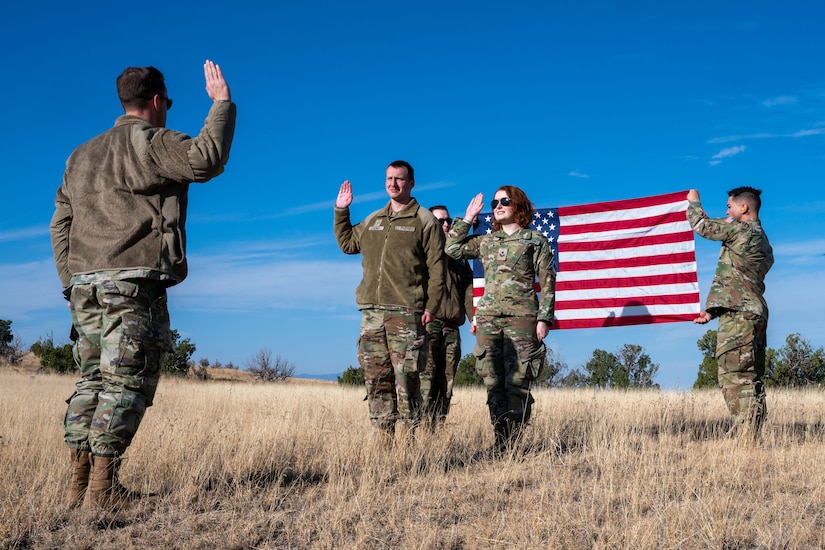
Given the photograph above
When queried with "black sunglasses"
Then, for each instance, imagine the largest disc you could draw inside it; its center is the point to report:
(448, 221)
(168, 102)
(505, 201)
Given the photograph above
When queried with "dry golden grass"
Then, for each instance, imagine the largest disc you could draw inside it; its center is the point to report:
(242, 465)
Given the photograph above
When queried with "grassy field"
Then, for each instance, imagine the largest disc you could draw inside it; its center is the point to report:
(297, 465)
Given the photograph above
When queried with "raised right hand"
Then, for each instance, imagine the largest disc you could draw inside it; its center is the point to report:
(216, 86)
(344, 195)
(474, 208)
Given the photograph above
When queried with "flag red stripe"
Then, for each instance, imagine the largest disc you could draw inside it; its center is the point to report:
(626, 282)
(625, 204)
(661, 300)
(669, 217)
(614, 282)
(621, 321)
(590, 246)
(646, 261)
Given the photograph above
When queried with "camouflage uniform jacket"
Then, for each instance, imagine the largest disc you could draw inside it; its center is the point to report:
(402, 254)
(122, 204)
(745, 258)
(512, 263)
(458, 293)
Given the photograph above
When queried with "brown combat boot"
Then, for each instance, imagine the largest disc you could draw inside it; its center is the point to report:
(105, 491)
(81, 465)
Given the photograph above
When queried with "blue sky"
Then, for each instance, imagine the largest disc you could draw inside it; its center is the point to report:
(575, 102)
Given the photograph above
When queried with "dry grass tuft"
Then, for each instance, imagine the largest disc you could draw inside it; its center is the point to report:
(297, 465)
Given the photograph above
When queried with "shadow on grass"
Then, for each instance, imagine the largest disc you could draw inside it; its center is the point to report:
(261, 479)
(706, 430)
(693, 430)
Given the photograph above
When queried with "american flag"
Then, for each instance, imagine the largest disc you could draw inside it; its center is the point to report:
(626, 262)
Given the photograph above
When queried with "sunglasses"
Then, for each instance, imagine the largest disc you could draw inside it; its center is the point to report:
(168, 102)
(505, 201)
(448, 221)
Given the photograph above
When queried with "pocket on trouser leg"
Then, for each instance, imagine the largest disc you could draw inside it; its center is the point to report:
(121, 419)
(415, 359)
(80, 411)
(534, 363)
(481, 356)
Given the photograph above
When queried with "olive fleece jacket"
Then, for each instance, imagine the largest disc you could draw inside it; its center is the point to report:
(402, 257)
(457, 303)
(122, 204)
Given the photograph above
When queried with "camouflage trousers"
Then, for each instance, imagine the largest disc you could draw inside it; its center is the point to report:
(392, 351)
(740, 356)
(123, 334)
(443, 355)
(508, 357)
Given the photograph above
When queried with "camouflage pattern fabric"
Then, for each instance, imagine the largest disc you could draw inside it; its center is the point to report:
(736, 297)
(744, 260)
(508, 353)
(443, 356)
(512, 265)
(123, 334)
(392, 351)
(740, 354)
(508, 357)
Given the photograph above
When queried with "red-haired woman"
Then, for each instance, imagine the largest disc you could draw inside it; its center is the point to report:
(511, 320)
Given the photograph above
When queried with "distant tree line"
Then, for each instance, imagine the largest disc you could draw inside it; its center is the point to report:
(630, 367)
(178, 362)
(796, 364)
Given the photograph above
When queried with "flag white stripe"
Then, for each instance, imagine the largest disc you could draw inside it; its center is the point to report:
(621, 215)
(632, 252)
(630, 292)
(624, 272)
(607, 313)
(616, 234)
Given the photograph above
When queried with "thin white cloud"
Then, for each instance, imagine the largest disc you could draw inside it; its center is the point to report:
(242, 252)
(767, 135)
(810, 253)
(780, 100)
(24, 233)
(806, 133)
(29, 287)
(726, 153)
(220, 284)
(795, 305)
(729, 152)
(578, 174)
(357, 198)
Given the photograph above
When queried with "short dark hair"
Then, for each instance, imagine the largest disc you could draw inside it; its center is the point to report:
(748, 195)
(136, 86)
(521, 204)
(439, 207)
(403, 164)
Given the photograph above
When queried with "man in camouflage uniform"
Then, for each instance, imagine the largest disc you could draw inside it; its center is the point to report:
(736, 298)
(511, 320)
(402, 254)
(443, 335)
(118, 234)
